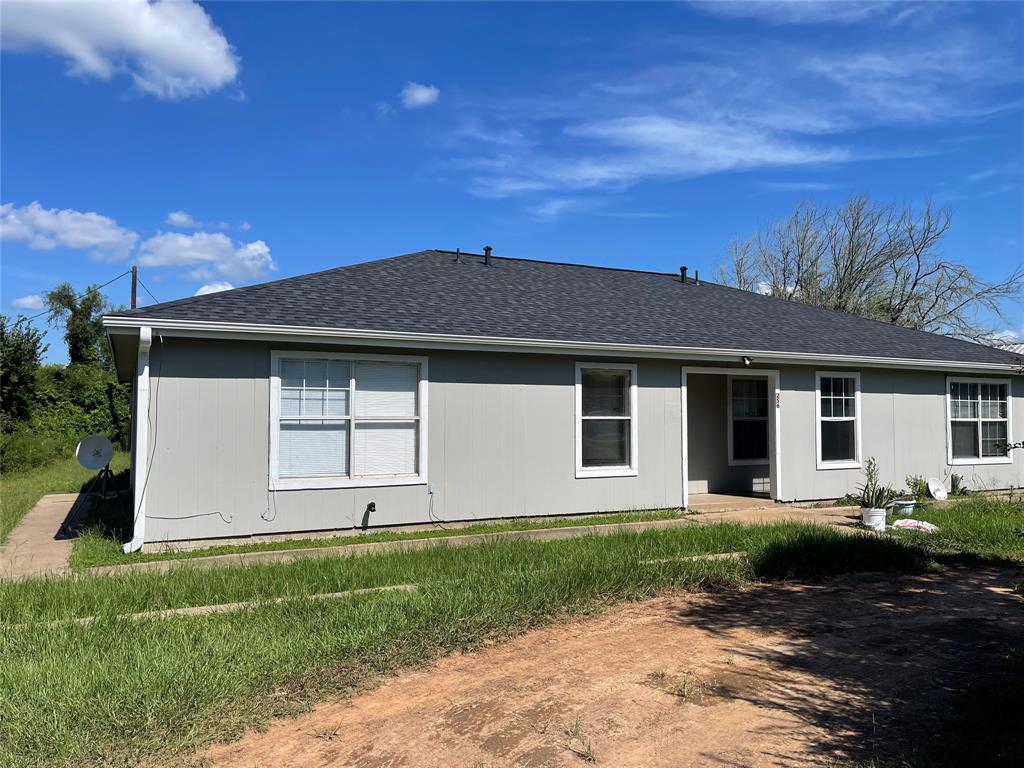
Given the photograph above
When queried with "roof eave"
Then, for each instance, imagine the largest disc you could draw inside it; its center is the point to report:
(353, 336)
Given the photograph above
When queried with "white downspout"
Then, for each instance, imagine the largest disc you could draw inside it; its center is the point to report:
(141, 440)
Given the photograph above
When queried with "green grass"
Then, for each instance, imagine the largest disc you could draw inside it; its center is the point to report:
(100, 542)
(19, 491)
(976, 526)
(117, 691)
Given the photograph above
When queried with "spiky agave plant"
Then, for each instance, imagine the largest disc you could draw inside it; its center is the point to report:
(872, 494)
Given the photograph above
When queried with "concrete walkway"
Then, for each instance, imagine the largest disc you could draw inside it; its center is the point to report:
(206, 610)
(36, 546)
(761, 514)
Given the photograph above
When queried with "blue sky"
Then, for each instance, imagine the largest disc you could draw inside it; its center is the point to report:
(236, 142)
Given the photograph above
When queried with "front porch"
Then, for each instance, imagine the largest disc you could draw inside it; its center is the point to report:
(730, 438)
(730, 508)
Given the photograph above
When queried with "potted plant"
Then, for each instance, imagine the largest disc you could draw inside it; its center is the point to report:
(874, 498)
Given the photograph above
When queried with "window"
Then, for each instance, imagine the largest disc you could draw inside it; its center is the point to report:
(346, 420)
(606, 429)
(979, 420)
(838, 420)
(748, 409)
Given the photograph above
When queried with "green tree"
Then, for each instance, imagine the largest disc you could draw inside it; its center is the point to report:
(82, 317)
(21, 348)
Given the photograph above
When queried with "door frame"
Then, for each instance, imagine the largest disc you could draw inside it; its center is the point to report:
(774, 423)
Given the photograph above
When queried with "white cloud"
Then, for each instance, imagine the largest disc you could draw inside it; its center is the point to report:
(635, 149)
(212, 255)
(416, 95)
(181, 219)
(184, 220)
(32, 301)
(170, 48)
(46, 228)
(216, 287)
(730, 107)
(797, 11)
(551, 209)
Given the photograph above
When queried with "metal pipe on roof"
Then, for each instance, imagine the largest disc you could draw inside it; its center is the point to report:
(487, 255)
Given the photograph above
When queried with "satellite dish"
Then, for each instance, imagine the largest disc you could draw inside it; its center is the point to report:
(94, 452)
(936, 489)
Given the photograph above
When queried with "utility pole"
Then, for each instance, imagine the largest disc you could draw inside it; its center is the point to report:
(135, 280)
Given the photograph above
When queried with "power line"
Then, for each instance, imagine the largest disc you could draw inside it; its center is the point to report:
(154, 298)
(84, 293)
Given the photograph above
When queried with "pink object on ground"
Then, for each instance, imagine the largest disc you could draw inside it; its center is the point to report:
(916, 525)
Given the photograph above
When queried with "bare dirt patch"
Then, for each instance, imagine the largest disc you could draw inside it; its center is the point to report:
(783, 674)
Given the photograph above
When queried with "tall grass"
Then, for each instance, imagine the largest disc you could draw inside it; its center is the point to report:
(978, 526)
(19, 491)
(119, 691)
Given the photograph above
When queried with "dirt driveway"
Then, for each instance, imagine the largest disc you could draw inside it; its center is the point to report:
(769, 676)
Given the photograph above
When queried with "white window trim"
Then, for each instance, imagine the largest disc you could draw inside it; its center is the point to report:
(277, 483)
(968, 461)
(733, 462)
(858, 418)
(634, 444)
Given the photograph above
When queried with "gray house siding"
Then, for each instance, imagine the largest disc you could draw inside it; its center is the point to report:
(501, 444)
(903, 427)
(501, 437)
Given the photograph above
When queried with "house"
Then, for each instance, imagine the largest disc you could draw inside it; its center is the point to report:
(441, 385)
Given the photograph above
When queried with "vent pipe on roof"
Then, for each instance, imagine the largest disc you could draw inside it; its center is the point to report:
(682, 274)
(487, 255)
(458, 255)
(696, 277)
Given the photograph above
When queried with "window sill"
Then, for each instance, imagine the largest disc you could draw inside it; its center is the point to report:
(749, 462)
(987, 460)
(839, 465)
(321, 483)
(606, 472)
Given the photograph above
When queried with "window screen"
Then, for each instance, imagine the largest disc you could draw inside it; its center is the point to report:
(979, 424)
(325, 430)
(837, 427)
(606, 418)
(749, 419)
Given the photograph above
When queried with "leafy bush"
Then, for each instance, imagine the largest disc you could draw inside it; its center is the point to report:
(70, 402)
(917, 487)
(22, 449)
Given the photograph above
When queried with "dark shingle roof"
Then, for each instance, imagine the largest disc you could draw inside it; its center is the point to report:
(433, 292)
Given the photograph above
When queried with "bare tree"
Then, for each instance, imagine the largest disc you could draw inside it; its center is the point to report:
(875, 260)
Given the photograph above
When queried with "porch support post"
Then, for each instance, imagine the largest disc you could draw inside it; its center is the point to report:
(684, 445)
(140, 441)
(776, 467)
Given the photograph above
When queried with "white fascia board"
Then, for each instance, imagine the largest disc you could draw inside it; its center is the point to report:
(319, 335)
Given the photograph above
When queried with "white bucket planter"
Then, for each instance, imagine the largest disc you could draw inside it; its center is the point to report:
(873, 517)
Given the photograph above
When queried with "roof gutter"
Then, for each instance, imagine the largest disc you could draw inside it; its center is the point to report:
(260, 332)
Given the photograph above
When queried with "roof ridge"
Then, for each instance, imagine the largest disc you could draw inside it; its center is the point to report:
(259, 286)
(560, 263)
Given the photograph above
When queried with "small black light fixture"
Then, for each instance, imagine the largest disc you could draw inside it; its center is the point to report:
(746, 361)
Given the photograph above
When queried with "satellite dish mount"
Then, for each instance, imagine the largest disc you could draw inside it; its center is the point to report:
(94, 453)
